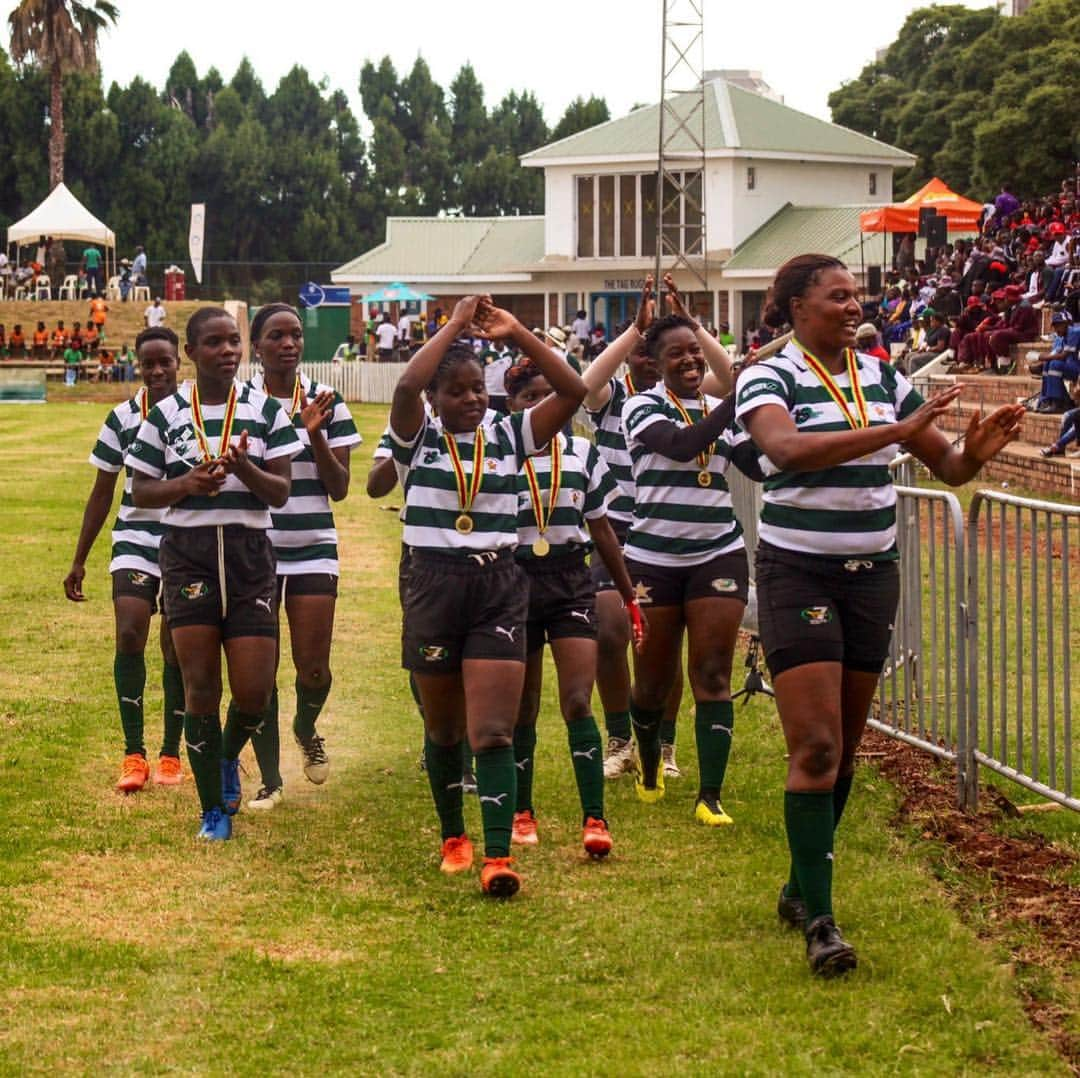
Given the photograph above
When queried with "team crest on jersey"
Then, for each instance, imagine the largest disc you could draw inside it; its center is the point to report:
(642, 593)
(725, 584)
(575, 497)
(806, 412)
(196, 590)
(490, 464)
(431, 456)
(182, 442)
(434, 653)
(816, 615)
(140, 580)
(880, 410)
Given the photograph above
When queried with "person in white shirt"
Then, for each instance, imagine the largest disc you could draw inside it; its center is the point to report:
(404, 328)
(1058, 260)
(155, 314)
(580, 326)
(386, 335)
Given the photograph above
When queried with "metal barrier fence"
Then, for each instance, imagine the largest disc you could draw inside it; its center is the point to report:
(1022, 560)
(922, 691)
(357, 380)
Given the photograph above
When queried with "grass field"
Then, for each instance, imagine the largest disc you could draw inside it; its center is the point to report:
(325, 939)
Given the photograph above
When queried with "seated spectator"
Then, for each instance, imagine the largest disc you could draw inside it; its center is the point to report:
(3, 341)
(946, 299)
(17, 342)
(898, 324)
(72, 359)
(974, 352)
(106, 366)
(59, 340)
(1070, 426)
(76, 340)
(933, 340)
(125, 364)
(1021, 323)
(1059, 366)
(866, 341)
(91, 339)
(41, 342)
(1058, 260)
(1037, 278)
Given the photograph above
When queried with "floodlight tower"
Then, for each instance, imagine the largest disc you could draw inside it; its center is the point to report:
(680, 179)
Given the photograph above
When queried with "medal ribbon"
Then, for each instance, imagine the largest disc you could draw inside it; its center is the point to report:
(862, 419)
(297, 398)
(200, 427)
(467, 489)
(144, 403)
(629, 382)
(703, 456)
(543, 524)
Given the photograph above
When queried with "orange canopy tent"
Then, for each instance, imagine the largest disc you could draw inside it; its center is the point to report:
(961, 213)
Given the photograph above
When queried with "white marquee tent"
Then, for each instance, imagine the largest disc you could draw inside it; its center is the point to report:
(63, 216)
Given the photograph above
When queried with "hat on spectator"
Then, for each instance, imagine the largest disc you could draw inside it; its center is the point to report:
(998, 293)
(928, 312)
(1013, 291)
(1057, 228)
(865, 331)
(1060, 316)
(945, 281)
(974, 301)
(556, 336)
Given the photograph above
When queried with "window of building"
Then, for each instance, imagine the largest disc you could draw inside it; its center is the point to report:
(873, 183)
(751, 178)
(618, 215)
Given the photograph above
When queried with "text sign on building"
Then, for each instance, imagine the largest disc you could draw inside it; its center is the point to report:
(630, 284)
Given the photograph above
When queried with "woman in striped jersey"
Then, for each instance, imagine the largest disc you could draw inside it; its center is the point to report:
(466, 600)
(215, 461)
(686, 557)
(563, 493)
(304, 539)
(136, 578)
(828, 421)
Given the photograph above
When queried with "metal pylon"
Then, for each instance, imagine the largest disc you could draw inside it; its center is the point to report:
(680, 180)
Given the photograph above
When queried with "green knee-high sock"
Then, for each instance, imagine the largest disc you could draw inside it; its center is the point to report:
(309, 703)
(587, 756)
(172, 684)
(129, 673)
(239, 726)
(444, 766)
(667, 731)
(617, 724)
(266, 741)
(496, 785)
(647, 734)
(809, 821)
(203, 736)
(524, 761)
(840, 797)
(714, 727)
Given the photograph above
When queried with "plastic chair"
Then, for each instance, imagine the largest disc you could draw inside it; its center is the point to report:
(21, 291)
(42, 287)
(112, 288)
(70, 288)
(140, 292)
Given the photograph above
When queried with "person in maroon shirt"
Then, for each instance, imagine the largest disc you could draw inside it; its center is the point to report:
(1021, 324)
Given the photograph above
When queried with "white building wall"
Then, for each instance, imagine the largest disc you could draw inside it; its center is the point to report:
(560, 210)
(803, 183)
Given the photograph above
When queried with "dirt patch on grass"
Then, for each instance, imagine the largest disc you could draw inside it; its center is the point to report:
(1030, 908)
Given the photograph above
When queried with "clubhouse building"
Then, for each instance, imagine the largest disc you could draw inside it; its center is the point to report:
(777, 182)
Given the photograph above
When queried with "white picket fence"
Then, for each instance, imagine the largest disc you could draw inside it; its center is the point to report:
(356, 381)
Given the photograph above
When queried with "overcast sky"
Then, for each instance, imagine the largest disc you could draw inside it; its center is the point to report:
(559, 49)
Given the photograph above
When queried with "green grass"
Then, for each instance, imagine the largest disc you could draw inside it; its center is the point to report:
(325, 939)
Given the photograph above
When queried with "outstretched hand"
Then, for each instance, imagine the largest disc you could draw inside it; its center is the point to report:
(928, 412)
(493, 322)
(646, 307)
(675, 303)
(234, 457)
(315, 412)
(985, 438)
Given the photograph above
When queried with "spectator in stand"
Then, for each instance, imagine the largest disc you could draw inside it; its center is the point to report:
(138, 268)
(41, 341)
(59, 340)
(933, 340)
(404, 330)
(1057, 368)
(386, 336)
(125, 364)
(725, 336)
(76, 340)
(72, 359)
(1037, 278)
(124, 283)
(106, 366)
(98, 311)
(91, 263)
(17, 342)
(580, 326)
(1021, 323)
(974, 349)
(1005, 205)
(1070, 426)
(155, 314)
(946, 299)
(898, 323)
(3, 342)
(1059, 260)
(867, 341)
(91, 339)
(904, 258)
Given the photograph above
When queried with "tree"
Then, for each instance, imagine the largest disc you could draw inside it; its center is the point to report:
(60, 36)
(579, 115)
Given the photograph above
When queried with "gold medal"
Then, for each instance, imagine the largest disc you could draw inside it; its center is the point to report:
(541, 547)
(704, 479)
(467, 488)
(464, 524)
(199, 426)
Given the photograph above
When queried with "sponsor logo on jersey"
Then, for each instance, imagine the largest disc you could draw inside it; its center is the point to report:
(140, 580)
(433, 653)
(725, 584)
(196, 590)
(816, 615)
(756, 389)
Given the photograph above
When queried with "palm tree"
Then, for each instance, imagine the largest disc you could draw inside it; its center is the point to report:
(60, 36)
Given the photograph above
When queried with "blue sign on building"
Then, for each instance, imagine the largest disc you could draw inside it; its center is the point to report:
(323, 295)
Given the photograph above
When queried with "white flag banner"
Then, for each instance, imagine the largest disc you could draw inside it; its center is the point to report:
(195, 237)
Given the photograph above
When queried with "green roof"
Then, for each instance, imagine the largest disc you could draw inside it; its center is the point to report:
(794, 230)
(735, 119)
(418, 248)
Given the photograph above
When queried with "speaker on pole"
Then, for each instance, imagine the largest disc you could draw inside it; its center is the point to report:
(873, 280)
(937, 231)
(926, 215)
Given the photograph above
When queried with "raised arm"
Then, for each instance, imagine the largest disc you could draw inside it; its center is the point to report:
(407, 409)
(716, 355)
(598, 377)
(552, 413)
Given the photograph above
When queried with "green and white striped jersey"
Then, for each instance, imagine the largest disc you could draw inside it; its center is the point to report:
(842, 511)
(166, 448)
(136, 535)
(586, 489)
(611, 444)
(676, 520)
(432, 504)
(303, 533)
